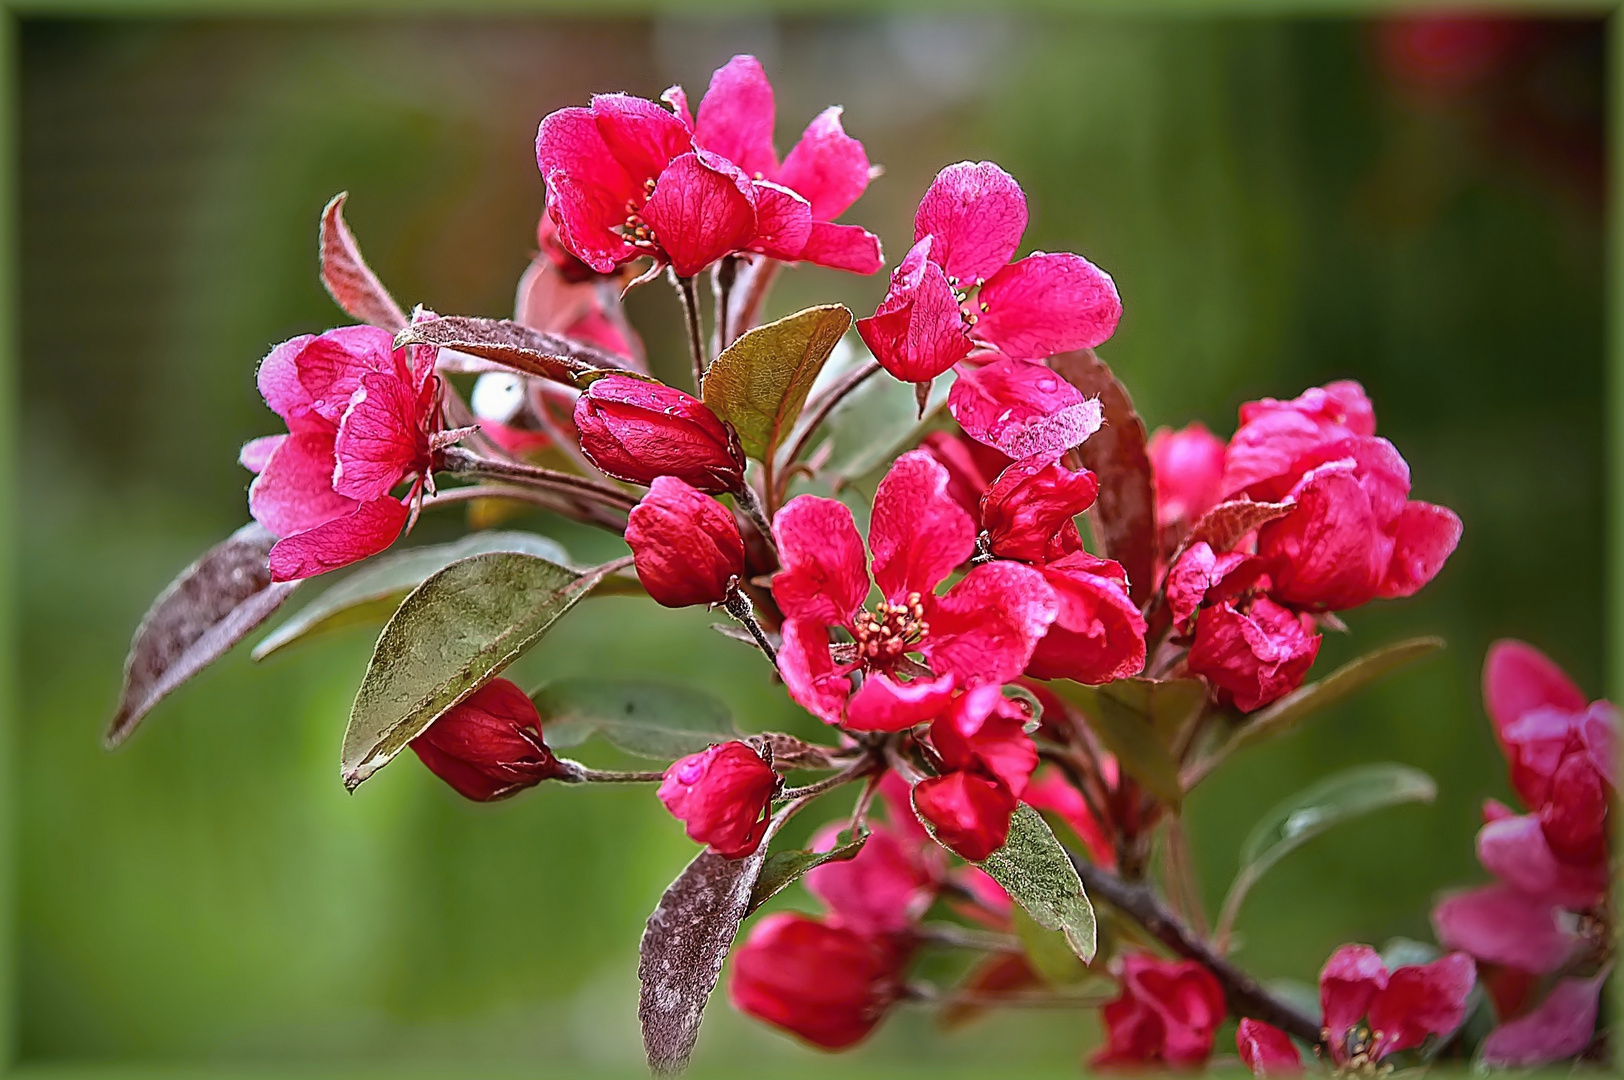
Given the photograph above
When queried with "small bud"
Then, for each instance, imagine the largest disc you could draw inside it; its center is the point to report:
(827, 984)
(489, 746)
(638, 430)
(720, 795)
(685, 545)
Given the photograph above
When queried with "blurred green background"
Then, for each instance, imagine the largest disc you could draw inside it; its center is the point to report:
(1281, 203)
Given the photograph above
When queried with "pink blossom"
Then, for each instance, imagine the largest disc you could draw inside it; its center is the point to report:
(1098, 634)
(1189, 469)
(1023, 409)
(1167, 1014)
(967, 229)
(1273, 434)
(721, 795)
(1027, 514)
(884, 889)
(360, 420)
(1560, 1027)
(1253, 652)
(1266, 1050)
(1371, 1012)
(560, 294)
(685, 545)
(1501, 925)
(980, 631)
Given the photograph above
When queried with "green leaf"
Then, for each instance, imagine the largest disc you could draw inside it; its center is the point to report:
(876, 419)
(374, 591)
(1036, 872)
(1048, 951)
(1312, 811)
(1339, 684)
(449, 637)
(784, 868)
(649, 719)
(760, 382)
(1137, 720)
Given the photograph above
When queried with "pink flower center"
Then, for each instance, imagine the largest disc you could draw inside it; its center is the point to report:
(634, 229)
(890, 630)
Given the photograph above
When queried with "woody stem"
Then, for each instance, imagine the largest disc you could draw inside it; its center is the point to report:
(1245, 996)
(696, 333)
(745, 496)
(467, 463)
(857, 769)
(576, 773)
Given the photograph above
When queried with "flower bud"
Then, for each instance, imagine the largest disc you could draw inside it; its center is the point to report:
(1189, 468)
(1252, 657)
(827, 984)
(1267, 1051)
(1027, 513)
(1166, 1015)
(489, 746)
(720, 794)
(685, 545)
(637, 430)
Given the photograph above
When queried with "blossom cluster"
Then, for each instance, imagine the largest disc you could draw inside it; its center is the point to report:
(1028, 704)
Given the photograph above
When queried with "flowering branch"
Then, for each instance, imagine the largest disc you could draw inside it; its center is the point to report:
(1245, 995)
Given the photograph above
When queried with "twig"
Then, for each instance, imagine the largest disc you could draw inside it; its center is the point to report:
(745, 496)
(925, 993)
(859, 813)
(737, 604)
(1245, 996)
(826, 405)
(696, 333)
(954, 936)
(856, 770)
(576, 773)
(723, 275)
(466, 463)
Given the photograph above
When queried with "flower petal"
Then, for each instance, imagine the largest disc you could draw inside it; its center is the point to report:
(702, 208)
(1349, 982)
(917, 332)
(809, 671)
(1023, 409)
(1421, 1000)
(1045, 304)
(1562, 1026)
(885, 704)
(736, 117)
(843, 247)
(1267, 1050)
(1518, 678)
(986, 626)
(294, 490)
(977, 213)
(1098, 633)
(380, 439)
(639, 135)
(256, 452)
(1424, 536)
(918, 533)
(783, 221)
(1515, 851)
(1503, 926)
(970, 813)
(828, 167)
(825, 572)
(371, 528)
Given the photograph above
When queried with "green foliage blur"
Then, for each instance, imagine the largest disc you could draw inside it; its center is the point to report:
(1279, 208)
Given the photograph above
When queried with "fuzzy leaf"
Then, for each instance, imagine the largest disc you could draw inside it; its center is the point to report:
(373, 592)
(1036, 872)
(649, 719)
(760, 382)
(349, 280)
(1223, 526)
(684, 945)
(783, 868)
(453, 633)
(208, 608)
(1132, 718)
(1124, 515)
(531, 352)
(1047, 951)
(1312, 811)
(1339, 684)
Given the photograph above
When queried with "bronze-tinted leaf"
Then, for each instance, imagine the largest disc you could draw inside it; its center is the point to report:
(760, 382)
(212, 605)
(349, 280)
(684, 945)
(1124, 516)
(532, 352)
(1223, 526)
(449, 637)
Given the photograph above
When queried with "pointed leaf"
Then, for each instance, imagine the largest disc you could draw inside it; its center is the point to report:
(760, 382)
(684, 945)
(649, 719)
(1224, 525)
(373, 592)
(453, 633)
(1120, 714)
(783, 868)
(208, 608)
(1339, 684)
(1124, 515)
(531, 352)
(349, 280)
(1036, 872)
(1312, 811)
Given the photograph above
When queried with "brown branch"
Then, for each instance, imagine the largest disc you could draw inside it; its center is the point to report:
(1245, 996)
(466, 463)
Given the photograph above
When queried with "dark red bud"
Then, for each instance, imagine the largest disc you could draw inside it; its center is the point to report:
(685, 545)
(489, 746)
(720, 794)
(638, 430)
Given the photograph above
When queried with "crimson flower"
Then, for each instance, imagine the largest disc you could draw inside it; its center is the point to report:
(721, 795)
(966, 230)
(987, 759)
(827, 984)
(685, 545)
(489, 745)
(1166, 1014)
(1371, 1012)
(981, 631)
(638, 430)
(627, 177)
(1098, 634)
(884, 889)
(1266, 1050)
(1188, 465)
(361, 419)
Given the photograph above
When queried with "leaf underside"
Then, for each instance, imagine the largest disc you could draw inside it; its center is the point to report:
(349, 280)
(208, 608)
(1125, 717)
